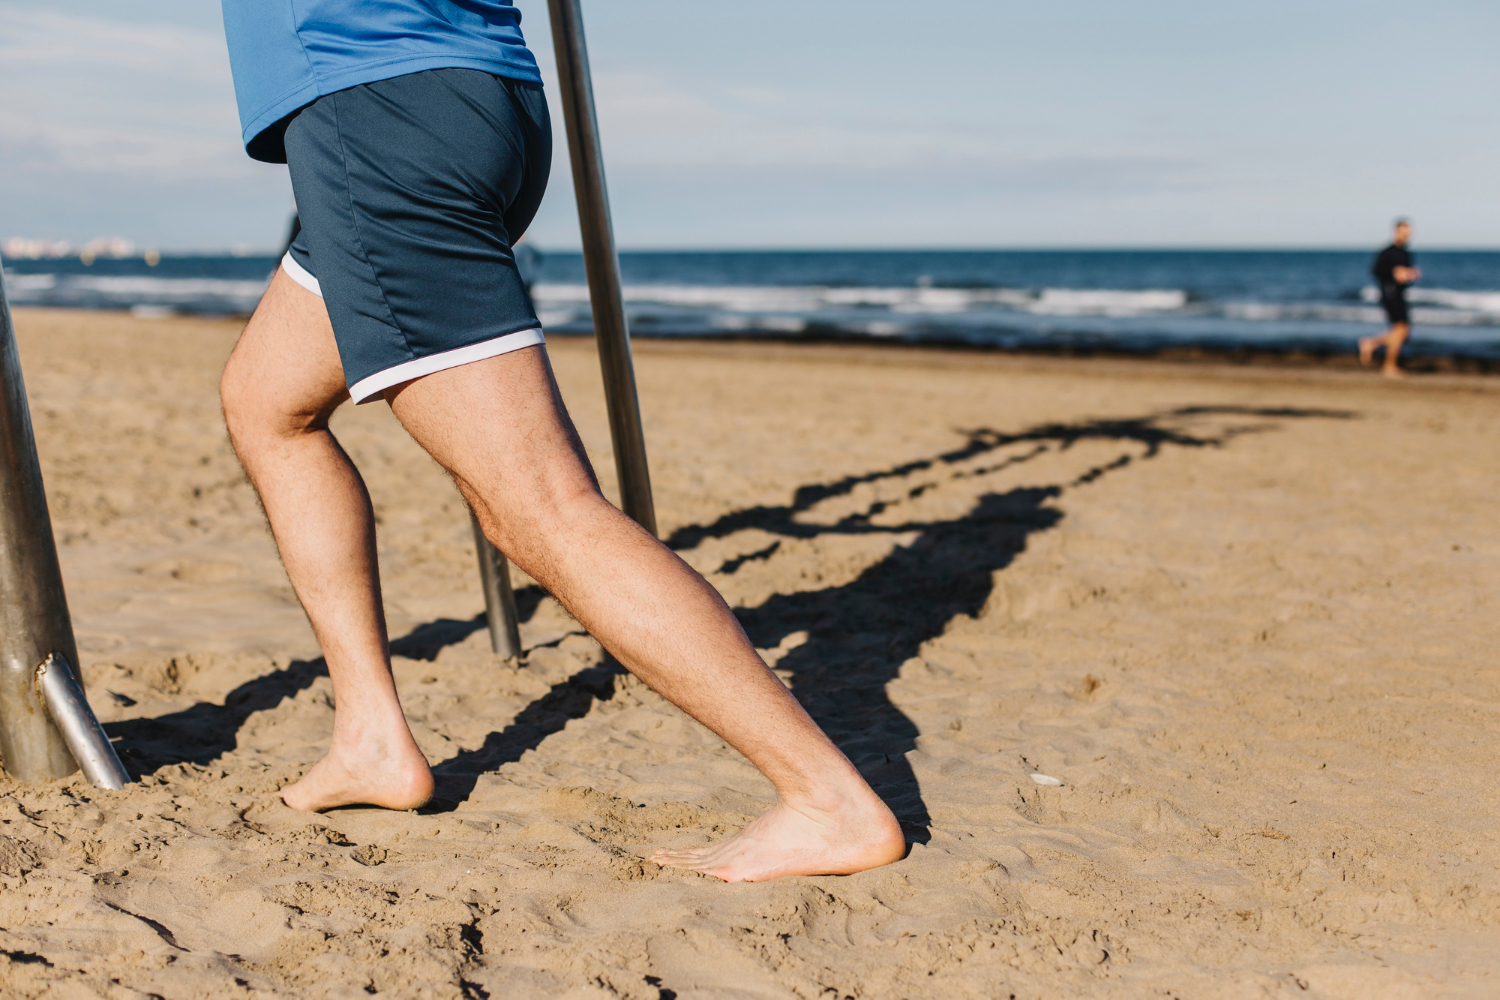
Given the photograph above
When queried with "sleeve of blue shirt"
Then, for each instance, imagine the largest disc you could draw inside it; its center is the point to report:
(285, 54)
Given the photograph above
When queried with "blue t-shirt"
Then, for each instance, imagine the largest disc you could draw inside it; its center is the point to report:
(285, 54)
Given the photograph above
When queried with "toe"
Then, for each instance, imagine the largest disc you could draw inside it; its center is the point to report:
(674, 859)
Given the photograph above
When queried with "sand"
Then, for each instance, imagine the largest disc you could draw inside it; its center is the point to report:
(1244, 621)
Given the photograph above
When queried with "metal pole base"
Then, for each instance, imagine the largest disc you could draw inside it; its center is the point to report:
(499, 597)
(32, 748)
(65, 702)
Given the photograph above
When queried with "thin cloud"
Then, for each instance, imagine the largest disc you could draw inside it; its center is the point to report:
(91, 149)
(50, 39)
(92, 96)
(648, 123)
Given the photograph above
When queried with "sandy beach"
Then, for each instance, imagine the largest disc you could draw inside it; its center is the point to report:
(1181, 678)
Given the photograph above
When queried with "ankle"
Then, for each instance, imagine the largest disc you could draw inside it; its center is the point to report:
(846, 795)
(373, 743)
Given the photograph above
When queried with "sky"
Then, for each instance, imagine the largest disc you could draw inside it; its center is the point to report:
(831, 123)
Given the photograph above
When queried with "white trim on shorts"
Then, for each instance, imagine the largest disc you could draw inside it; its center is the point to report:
(300, 274)
(369, 388)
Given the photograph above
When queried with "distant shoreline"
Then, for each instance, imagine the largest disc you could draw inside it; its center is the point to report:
(1414, 360)
(273, 254)
(1302, 307)
(1290, 358)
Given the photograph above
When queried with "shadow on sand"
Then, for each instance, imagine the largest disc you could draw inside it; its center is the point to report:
(858, 634)
(202, 732)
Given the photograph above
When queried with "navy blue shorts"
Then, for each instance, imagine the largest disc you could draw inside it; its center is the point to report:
(412, 192)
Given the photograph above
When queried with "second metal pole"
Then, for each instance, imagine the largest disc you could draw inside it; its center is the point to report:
(499, 596)
(603, 266)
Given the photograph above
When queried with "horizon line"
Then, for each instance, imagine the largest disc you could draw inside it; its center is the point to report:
(1045, 248)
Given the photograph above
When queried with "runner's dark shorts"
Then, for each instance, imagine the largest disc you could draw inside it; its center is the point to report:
(1393, 301)
(412, 192)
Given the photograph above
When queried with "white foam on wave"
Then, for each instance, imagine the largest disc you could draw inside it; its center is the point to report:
(956, 300)
(1480, 302)
(1108, 302)
(910, 299)
(158, 288)
(780, 324)
(1274, 312)
(1451, 307)
(30, 282)
(1487, 302)
(738, 298)
(133, 291)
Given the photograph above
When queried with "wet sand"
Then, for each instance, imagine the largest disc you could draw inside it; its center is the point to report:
(1245, 621)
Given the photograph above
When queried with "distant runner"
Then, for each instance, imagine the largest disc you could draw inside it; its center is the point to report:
(1394, 269)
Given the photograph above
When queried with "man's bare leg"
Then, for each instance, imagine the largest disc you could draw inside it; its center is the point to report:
(282, 382)
(1394, 341)
(499, 427)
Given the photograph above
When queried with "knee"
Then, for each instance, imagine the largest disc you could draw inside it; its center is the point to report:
(234, 392)
(532, 512)
(244, 409)
(252, 414)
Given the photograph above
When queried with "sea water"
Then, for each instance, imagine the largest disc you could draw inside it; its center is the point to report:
(1083, 299)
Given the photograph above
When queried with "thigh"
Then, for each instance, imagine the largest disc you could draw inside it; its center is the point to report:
(285, 370)
(500, 429)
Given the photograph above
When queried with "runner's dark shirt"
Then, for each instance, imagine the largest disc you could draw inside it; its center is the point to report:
(1384, 270)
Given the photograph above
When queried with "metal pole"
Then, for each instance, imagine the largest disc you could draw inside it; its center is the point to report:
(34, 621)
(601, 262)
(63, 696)
(499, 598)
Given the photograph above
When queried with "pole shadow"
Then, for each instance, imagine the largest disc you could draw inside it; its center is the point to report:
(204, 731)
(568, 699)
(858, 633)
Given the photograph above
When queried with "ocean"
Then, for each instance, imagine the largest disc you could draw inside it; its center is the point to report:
(1116, 300)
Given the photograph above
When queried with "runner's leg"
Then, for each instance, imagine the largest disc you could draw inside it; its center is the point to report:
(1369, 345)
(281, 384)
(1393, 344)
(499, 427)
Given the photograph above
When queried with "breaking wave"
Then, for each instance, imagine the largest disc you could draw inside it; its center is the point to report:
(1094, 299)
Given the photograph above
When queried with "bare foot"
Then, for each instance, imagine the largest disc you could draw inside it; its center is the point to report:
(1367, 347)
(369, 775)
(792, 840)
(1391, 371)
